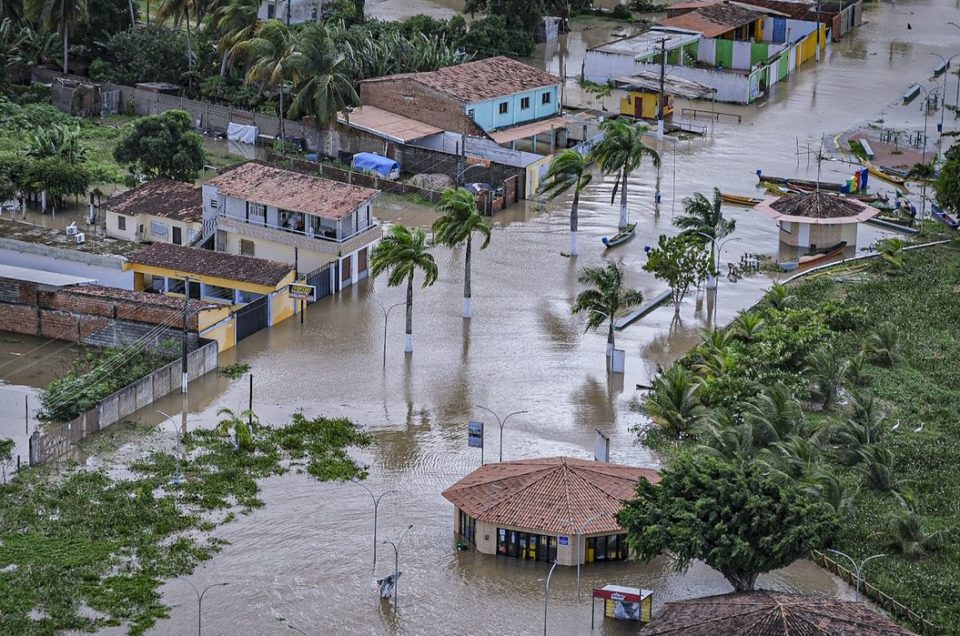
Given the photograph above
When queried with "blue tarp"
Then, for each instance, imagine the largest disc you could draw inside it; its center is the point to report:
(367, 161)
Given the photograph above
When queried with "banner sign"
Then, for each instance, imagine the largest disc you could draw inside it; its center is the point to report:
(301, 291)
(475, 434)
(564, 540)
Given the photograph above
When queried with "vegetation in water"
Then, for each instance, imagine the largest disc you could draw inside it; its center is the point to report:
(846, 390)
(234, 371)
(81, 552)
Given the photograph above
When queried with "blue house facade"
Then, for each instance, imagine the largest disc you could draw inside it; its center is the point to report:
(519, 108)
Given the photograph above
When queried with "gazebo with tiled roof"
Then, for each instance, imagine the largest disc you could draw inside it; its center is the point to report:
(816, 219)
(534, 508)
(767, 613)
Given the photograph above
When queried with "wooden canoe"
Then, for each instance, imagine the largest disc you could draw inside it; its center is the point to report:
(880, 173)
(739, 199)
(815, 256)
(620, 237)
(948, 220)
(799, 183)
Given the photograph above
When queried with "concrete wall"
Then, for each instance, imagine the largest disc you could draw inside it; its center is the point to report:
(57, 439)
(416, 101)
(140, 228)
(104, 268)
(300, 10)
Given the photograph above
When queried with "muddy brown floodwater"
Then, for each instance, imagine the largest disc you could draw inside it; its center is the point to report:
(306, 556)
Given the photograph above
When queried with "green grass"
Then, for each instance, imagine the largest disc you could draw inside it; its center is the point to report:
(923, 385)
(75, 542)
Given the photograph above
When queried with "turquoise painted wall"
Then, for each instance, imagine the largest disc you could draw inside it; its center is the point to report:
(487, 113)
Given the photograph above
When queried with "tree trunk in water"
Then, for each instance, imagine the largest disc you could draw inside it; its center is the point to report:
(611, 342)
(574, 222)
(408, 344)
(467, 298)
(623, 198)
(66, 43)
(741, 581)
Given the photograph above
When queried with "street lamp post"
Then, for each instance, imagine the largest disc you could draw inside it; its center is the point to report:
(200, 594)
(176, 431)
(376, 506)
(926, 113)
(396, 568)
(943, 106)
(579, 539)
(857, 569)
(386, 317)
(718, 245)
(500, 423)
(546, 589)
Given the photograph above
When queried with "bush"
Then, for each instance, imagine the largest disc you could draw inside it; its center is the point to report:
(491, 36)
(621, 12)
(143, 54)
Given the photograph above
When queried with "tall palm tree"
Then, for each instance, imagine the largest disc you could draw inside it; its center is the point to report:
(460, 219)
(236, 21)
(179, 11)
(270, 58)
(622, 151)
(606, 299)
(403, 251)
(323, 85)
(674, 404)
(568, 170)
(826, 370)
(906, 536)
(58, 15)
(706, 217)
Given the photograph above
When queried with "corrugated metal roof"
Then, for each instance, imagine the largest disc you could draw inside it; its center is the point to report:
(528, 130)
(649, 80)
(392, 126)
(41, 277)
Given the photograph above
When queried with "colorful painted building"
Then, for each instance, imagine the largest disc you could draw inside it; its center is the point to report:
(253, 291)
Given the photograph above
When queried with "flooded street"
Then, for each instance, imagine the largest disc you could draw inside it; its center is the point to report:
(306, 557)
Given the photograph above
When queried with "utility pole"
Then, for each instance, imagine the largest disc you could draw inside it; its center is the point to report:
(184, 379)
(663, 70)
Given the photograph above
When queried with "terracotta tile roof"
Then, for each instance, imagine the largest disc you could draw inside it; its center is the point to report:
(171, 199)
(713, 20)
(545, 494)
(483, 79)
(193, 260)
(764, 613)
(144, 298)
(288, 190)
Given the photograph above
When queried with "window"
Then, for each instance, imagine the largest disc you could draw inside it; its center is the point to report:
(468, 528)
(504, 108)
(271, 11)
(177, 236)
(121, 223)
(545, 98)
(256, 213)
(158, 229)
(247, 248)
(526, 545)
(470, 113)
(214, 203)
(524, 103)
(607, 548)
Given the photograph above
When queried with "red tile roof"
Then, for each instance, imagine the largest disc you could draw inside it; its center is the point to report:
(170, 199)
(288, 190)
(764, 613)
(714, 20)
(549, 494)
(193, 260)
(143, 298)
(484, 79)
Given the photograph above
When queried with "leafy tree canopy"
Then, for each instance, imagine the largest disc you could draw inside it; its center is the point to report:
(162, 146)
(730, 515)
(947, 185)
(145, 54)
(494, 35)
(680, 261)
(57, 177)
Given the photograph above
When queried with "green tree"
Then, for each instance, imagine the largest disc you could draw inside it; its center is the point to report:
(179, 11)
(891, 251)
(731, 515)
(162, 146)
(492, 35)
(674, 404)
(57, 177)
(681, 261)
(827, 371)
(239, 425)
(458, 221)
(622, 151)
(270, 59)
(947, 185)
(62, 16)
(151, 53)
(323, 87)
(236, 21)
(58, 140)
(906, 536)
(403, 252)
(568, 170)
(606, 298)
(706, 217)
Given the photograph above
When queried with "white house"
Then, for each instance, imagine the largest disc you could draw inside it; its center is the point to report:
(300, 10)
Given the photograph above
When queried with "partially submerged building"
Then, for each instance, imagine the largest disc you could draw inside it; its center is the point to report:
(158, 211)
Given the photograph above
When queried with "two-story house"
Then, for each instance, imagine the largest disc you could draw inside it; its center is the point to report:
(324, 228)
(483, 98)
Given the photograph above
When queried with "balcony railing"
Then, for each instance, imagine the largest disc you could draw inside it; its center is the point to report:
(326, 235)
(299, 238)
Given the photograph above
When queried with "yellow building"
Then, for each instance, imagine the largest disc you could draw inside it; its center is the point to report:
(643, 88)
(158, 211)
(255, 291)
(325, 229)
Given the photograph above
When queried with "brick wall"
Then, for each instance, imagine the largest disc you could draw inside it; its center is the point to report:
(416, 101)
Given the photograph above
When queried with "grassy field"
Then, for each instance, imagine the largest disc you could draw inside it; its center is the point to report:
(909, 458)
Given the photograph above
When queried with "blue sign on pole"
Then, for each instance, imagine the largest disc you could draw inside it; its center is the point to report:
(564, 540)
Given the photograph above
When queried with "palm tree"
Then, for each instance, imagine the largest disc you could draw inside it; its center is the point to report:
(747, 326)
(779, 297)
(622, 151)
(606, 298)
(568, 170)
(236, 21)
(774, 415)
(674, 404)
(884, 343)
(460, 219)
(236, 424)
(179, 10)
(403, 251)
(705, 217)
(922, 172)
(827, 370)
(323, 85)
(269, 56)
(891, 251)
(58, 15)
(906, 536)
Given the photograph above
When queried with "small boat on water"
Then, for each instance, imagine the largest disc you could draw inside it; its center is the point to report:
(620, 237)
(947, 219)
(800, 183)
(739, 199)
(911, 93)
(815, 256)
(896, 178)
(897, 225)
